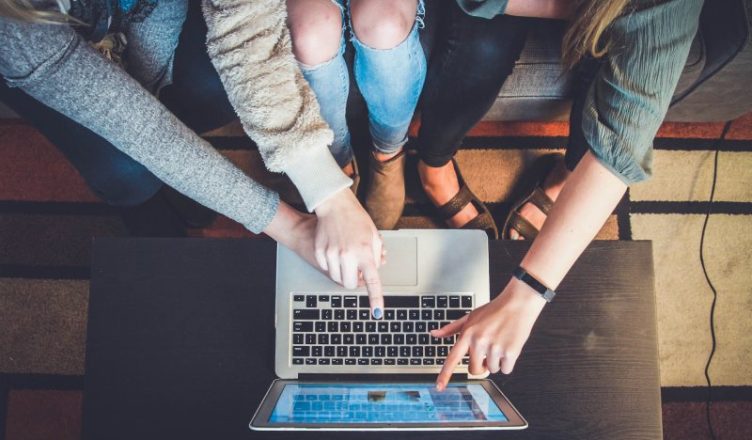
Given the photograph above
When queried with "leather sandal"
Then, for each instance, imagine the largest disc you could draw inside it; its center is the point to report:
(532, 190)
(483, 221)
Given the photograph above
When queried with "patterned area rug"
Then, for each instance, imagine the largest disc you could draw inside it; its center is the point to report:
(48, 217)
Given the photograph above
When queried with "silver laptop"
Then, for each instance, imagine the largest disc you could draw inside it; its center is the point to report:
(326, 337)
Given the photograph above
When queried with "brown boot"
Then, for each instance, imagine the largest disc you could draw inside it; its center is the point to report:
(385, 197)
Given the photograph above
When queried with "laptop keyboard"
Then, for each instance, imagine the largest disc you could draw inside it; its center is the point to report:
(339, 330)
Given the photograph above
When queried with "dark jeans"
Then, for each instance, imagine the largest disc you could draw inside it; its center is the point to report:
(196, 96)
(470, 61)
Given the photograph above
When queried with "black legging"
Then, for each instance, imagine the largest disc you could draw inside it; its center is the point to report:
(471, 59)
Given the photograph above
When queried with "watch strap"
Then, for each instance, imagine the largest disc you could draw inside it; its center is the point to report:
(522, 275)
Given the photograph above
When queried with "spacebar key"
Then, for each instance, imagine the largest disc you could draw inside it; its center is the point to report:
(393, 301)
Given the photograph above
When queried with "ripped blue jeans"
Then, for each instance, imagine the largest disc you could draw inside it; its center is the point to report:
(390, 81)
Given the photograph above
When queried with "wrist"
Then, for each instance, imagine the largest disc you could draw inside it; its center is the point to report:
(526, 294)
(286, 220)
(334, 203)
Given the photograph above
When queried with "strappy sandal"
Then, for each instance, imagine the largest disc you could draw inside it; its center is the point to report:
(483, 221)
(532, 190)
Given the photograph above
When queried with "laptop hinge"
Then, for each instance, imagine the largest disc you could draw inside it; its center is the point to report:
(377, 377)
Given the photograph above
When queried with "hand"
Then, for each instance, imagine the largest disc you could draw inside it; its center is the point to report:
(295, 230)
(494, 334)
(349, 247)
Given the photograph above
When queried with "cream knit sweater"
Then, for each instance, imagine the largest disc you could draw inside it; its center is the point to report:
(250, 46)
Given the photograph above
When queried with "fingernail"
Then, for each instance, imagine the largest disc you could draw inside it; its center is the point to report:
(377, 313)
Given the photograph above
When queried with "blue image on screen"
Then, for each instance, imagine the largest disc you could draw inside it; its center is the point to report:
(384, 403)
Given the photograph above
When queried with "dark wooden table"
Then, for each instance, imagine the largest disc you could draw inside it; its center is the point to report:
(181, 338)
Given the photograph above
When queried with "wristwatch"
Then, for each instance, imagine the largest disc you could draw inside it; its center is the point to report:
(522, 275)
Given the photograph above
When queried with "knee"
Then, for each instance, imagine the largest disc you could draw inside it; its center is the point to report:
(383, 24)
(316, 30)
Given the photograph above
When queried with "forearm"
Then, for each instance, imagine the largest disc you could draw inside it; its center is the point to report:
(540, 8)
(588, 198)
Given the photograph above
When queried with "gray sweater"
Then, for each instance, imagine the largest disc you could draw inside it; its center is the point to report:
(251, 49)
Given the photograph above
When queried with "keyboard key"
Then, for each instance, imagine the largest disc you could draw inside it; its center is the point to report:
(395, 327)
(337, 361)
(363, 302)
(389, 361)
(357, 327)
(467, 302)
(428, 302)
(371, 327)
(362, 361)
(436, 341)
(408, 327)
(430, 351)
(404, 351)
(327, 314)
(399, 339)
(449, 340)
(339, 314)
(376, 361)
(352, 314)
(411, 339)
(367, 351)
(323, 339)
(417, 351)
(329, 351)
(300, 326)
(373, 339)
(317, 351)
(344, 327)
(406, 301)
(351, 301)
(438, 315)
(297, 361)
(383, 326)
(428, 362)
(310, 361)
(440, 361)
(392, 351)
(465, 361)
(336, 301)
(443, 351)
(421, 327)
(348, 339)
(401, 361)
(320, 327)
(341, 351)
(354, 351)
(442, 301)
(336, 339)
(402, 315)
(426, 315)
(454, 301)
(360, 339)
(433, 325)
(298, 298)
(297, 338)
(332, 327)
(364, 314)
(455, 314)
(423, 339)
(386, 339)
(379, 351)
(300, 351)
(311, 301)
(415, 362)
(349, 361)
(324, 361)
(389, 314)
(310, 339)
(413, 314)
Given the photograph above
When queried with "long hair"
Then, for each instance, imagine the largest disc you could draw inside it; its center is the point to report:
(50, 12)
(586, 35)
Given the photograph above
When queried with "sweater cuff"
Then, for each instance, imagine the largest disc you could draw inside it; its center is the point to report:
(316, 175)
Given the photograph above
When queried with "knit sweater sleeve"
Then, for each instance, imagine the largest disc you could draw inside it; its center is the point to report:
(249, 44)
(55, 66)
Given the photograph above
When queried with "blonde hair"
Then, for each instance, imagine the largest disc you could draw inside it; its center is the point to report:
(586, 34)
(24, 10)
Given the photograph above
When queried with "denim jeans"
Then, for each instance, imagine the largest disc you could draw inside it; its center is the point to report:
(196, 96)
(390, 81)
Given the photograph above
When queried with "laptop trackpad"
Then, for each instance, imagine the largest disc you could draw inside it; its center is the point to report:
(401, 268)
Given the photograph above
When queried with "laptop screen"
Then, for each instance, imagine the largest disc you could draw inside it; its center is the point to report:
(310, 403)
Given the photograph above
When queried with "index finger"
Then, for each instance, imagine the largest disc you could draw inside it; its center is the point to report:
(453, 359)
(375, 293)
